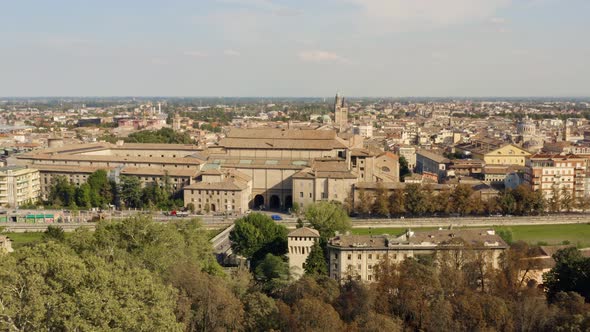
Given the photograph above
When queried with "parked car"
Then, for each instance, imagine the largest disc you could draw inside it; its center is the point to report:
(276, 217)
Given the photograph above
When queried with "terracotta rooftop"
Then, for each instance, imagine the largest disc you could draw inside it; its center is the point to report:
(434, 239)
(292, 134)
(304, 232)
(228, 184)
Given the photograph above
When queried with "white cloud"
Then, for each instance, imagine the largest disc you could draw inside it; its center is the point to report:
(497, 20)
(231, 53)
(196, 54)
(321, 56)
(435, 12)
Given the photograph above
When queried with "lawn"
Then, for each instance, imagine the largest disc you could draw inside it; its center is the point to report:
(21, 239)
(576, 234)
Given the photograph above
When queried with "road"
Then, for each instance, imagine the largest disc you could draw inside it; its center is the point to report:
(217, 222)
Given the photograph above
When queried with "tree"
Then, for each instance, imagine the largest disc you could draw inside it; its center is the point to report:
(582, 203)
(130, 192)
(567, 200)
(256, 235)
(363, 204)
(315, 264)
(100, 188)
(327, 218)
(153, 246)
(381, 204)
(272, 273)
(83, 196)
(441, 201)
(416, 203)
(571, 273)
(54, 233)
(272, 267)
(355, 301)
(164, 135)
(555, 200)
(398, 202)
(461, 201)
(205, 303)
(407, 290)
(404, 170)
(154, 195)
(507, 202)
(310, 314)
(62, 192)
(191, 207)
(260, 313)
(48, 287)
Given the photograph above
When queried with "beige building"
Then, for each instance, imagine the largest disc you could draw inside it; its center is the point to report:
(494, 152)
(299, 243)
(409, 153)
(557, 173)
(356, 256)
(220, 191)
(18, 185)
(269, 158)
(326, 180)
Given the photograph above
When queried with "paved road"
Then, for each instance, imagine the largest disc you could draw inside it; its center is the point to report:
(211, 222)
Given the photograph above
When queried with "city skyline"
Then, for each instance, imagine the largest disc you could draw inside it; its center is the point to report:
(255, 48)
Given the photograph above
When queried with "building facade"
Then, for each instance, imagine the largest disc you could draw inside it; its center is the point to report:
(557, 174)
(299, 243)
(18, 185)
(357, 256)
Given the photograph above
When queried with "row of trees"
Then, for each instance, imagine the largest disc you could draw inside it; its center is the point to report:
(417, 200)
(164, 136)
(99, 191)
(137, 275)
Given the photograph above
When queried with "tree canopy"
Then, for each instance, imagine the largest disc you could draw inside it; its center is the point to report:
(256, 235)
(327, 218)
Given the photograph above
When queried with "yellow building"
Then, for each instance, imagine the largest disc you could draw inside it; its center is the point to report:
(494, 152)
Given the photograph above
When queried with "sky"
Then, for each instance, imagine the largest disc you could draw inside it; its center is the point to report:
(291, 48)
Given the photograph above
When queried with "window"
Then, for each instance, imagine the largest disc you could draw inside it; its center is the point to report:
(349, 256)
(309, 195)
(359, 256)
(301, 194)
(370, 256)
(370, 277)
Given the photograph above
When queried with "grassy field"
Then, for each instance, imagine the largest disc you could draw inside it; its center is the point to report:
(21, 239)
(576, 234)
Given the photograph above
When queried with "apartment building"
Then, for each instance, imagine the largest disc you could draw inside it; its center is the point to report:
(557, 173)
(18, 185)
(356, 256)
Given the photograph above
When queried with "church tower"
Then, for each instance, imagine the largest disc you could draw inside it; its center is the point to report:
(340, 112)
(566, 132)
